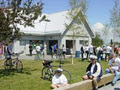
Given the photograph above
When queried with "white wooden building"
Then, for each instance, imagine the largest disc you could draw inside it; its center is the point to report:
(49, 33)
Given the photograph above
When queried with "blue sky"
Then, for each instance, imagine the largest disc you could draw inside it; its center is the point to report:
(98, 10)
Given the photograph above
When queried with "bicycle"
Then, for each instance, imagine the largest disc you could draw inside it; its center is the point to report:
(47, 71)
(37, 56)
(13, 63)
(58, 55)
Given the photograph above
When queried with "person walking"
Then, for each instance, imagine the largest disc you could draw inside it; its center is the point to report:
(38, 52)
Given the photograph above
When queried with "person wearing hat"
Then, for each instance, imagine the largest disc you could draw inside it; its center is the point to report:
(59, 80)
(93, 71)
(112, 65)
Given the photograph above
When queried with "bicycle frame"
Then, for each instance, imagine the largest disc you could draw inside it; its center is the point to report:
(9, 63)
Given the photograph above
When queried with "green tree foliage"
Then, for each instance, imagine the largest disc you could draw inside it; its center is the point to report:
(75, 14)
(97, 41)
(14, 13)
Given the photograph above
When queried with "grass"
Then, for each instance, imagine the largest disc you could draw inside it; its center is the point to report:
(30, 79)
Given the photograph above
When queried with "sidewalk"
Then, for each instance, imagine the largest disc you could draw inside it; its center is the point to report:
(26, 57)
(109, 87)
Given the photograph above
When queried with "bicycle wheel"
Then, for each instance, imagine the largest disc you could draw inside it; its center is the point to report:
(35, 58)
(6, 65)
(19, 66)
(47, 73)
(67, 75)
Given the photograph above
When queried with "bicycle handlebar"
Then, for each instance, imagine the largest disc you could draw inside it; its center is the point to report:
(17, 54)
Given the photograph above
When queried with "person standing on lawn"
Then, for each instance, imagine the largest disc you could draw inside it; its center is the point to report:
(82, 52)
(63, 51)
(108, 52)
(9, 52)
(87, 51)
(93, 71)
(30, 49)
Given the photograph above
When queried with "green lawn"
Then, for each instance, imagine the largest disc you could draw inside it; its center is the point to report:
(30, 78)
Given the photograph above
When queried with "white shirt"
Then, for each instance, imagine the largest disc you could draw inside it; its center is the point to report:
(117, 60)
(64, 49)
(91, 48)
(98, 69)
(59, 79)
(86, 48)
(92, 68)
(38, 48)
(108, 49)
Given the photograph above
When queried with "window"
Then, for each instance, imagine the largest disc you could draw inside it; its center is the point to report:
(83, 42)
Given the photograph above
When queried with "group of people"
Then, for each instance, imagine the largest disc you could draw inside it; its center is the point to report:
(93, 72)
(58, 52)
(94, 69)
(39, 49)
(102, 52)
(114, 67)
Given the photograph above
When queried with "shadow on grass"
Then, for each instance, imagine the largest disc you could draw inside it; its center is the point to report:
(12, 72)
(4, 72)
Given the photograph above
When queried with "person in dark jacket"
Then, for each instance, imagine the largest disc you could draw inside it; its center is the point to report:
(30, 49)
(93, 71)
(82, 52)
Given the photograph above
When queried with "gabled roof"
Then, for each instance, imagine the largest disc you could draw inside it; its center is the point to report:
(55, 26)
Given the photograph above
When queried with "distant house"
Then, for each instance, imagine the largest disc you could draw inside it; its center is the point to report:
(49, 33)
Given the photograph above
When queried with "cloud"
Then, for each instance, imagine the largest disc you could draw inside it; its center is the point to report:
(98, 27)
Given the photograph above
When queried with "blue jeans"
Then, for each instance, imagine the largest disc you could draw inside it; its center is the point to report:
(107, 71)
(116, 76)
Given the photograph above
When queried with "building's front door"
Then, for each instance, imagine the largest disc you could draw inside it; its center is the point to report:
(69, 46)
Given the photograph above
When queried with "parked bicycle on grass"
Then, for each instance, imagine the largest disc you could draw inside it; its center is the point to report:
(48, 72)
(14, 63)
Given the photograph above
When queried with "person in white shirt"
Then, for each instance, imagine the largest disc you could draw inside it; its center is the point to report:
(59, 80)
(91, 49)
(108, 52)
(38, 51)
(37, 48)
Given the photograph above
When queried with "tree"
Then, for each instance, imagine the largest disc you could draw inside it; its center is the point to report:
(14, 13)
(105, 33)
(75, 14)
(115, 20)
(97, 41)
